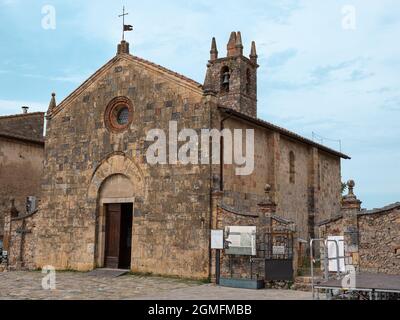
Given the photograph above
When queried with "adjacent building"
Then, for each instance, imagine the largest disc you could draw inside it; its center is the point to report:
(21, 161)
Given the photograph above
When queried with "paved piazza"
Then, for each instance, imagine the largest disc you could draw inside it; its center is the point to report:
(81, 286)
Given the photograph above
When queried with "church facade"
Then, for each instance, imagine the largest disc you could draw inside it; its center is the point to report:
(103, 205)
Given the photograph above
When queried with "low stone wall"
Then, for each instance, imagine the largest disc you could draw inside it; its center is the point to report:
(20, 256)
(376, 248)
(379, 241)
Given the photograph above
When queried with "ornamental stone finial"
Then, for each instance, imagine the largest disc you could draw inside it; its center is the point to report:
(350, 201)
(52, 104)
(351, 184)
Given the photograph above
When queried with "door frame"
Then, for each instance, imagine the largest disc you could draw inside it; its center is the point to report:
(101, 232)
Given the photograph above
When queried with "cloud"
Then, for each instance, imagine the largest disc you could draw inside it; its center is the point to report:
(392, 103)
(358, 75)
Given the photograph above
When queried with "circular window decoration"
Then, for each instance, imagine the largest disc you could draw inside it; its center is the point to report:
(119, 114)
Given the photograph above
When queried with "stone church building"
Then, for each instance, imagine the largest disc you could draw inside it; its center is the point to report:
(103, 205)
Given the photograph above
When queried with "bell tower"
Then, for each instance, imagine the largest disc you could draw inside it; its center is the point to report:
(233, 79)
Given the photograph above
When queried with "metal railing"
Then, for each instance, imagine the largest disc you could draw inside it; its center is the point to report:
(325, 260)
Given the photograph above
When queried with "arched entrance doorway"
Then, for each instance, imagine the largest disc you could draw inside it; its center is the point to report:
(115, 221)
(117, 184)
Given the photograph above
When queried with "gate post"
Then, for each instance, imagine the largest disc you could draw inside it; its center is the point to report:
(267, 210)
(351, 206)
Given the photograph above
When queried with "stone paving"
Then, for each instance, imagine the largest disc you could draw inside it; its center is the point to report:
(81, 286)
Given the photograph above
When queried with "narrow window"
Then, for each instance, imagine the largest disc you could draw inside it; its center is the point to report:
(292, 167)
(225, 79)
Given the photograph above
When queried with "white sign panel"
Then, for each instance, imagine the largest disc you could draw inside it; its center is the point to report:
(278, 250)
(332, 253)
(217, 239)
(241, 240)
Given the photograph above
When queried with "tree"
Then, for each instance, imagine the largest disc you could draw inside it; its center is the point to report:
(344, 187)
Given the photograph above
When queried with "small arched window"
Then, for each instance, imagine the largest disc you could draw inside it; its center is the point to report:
(248, 81)
(292, 167)
(225, 79)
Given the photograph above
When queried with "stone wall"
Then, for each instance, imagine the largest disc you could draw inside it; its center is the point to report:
(170, 229)
(329, 187)
(21, 168)
(21, 257)
(372, 238)
(293, 196)
(242, 93)
(314, 194)
(247, 191)
(379, 241)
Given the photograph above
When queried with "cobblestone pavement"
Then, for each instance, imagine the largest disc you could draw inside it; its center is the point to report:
(80, 286)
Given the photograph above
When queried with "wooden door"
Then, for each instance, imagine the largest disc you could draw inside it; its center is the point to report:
(113, 229)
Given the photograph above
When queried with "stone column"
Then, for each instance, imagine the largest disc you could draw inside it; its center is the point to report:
(351, 207)
(313, 192)
(275, 158)
(216, 197)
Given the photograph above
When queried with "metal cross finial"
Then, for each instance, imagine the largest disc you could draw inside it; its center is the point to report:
(123, 22)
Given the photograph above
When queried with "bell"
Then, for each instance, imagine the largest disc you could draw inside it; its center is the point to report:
(226, 78)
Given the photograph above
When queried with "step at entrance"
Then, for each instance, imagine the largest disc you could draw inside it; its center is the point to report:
(108, 273)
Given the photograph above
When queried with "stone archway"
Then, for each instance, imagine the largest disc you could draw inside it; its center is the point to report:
(114, 164)
(117, 180)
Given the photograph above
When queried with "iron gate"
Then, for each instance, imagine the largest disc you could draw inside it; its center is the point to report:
(275, 250)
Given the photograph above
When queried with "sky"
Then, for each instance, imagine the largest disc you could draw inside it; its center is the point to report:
(327, 68)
